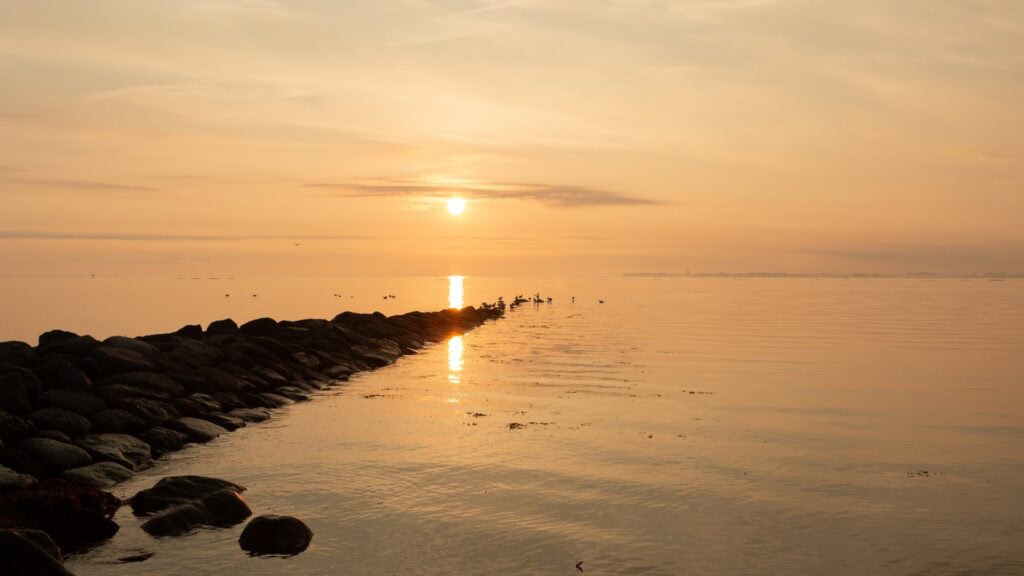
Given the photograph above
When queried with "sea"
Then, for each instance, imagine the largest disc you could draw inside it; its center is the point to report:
(630, 426)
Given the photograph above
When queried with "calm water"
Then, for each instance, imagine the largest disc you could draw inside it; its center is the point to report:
(686, 426)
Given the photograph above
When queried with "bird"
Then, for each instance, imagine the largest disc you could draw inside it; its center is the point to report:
(253, 295)
(579, 566)
(600, 301)
(227, 295)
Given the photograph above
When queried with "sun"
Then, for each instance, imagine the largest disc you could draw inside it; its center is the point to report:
(456, 206)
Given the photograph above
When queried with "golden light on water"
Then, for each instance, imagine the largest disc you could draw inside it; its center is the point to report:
(455, 354)
(456, 206)
(455, 292)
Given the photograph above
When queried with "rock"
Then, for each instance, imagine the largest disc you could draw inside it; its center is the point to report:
(194, 331)
(154, 412)
(116, 420)
(221, 508)
(162, 440)
(197, 430)
(225, 421)
(275, 535)
(259, 327)
(123, 449)
(176, 490)
(21, 462)
(100, 474)
(82, 526)
(111, 393)
(76, 346)
(56, 371)
(13, 395)
(81, 403)
(54, 336)
(22, 555)
(55, 435)
(17, 353)
(251, 414)
(150, 381)
(146, 349)
(55, 456)
(226, 326)
(111, 360)
(59, 419)
(43, 540)
(269, 400)
(292, 393)
(197, 405)
(12, 479)
(218, 380)
(140, 557)
(373, 356)
(193, 353)
(13, 427)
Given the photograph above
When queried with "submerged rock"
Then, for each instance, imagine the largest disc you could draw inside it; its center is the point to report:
(275, 535)
(221, 508)
(176, 490)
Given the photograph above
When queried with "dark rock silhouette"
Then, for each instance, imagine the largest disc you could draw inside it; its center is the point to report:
(177, 490)
(275, 535)
(29, 553)
(221, 508)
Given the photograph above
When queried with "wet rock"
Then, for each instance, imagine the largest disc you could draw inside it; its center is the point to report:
(193, 353)
(275, 535)
(99, 475)
(18, 354)
(176, 490)
(13, 395)
(111, 393)
(140, 557)
(154, 412)
(221, 508)
(292, 393)
(82, 403)
(55, 456)
(74, 346)
(218, 380)
(196, 429)
(43, 540)
(229, 400)
(269, 400)
(111, 360)
(226, 326)
(166, 386)
(72, 514)
(123, 449)
(13, 427)
(197, 405)
(373, 356)
(251, 414)
(56, 371)
(12, 479)
(162, 440)
(59, 419)
(225, 421)
(116, 420)
(22, 555)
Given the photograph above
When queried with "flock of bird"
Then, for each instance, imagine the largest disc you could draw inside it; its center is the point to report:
(516, 302)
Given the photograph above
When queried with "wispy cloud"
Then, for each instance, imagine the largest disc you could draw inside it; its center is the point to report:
(80, 185)
(55, 235)
(550, 195)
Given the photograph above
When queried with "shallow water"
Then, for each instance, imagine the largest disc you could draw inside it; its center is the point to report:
(686, 426)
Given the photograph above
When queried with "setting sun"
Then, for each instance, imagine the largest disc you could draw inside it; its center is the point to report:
(456, 206)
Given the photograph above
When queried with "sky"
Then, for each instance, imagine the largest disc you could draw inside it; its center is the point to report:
(324, 137)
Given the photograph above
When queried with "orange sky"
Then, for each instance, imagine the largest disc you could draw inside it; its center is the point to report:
(317, 137)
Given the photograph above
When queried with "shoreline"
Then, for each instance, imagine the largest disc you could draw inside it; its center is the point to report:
(79, 416)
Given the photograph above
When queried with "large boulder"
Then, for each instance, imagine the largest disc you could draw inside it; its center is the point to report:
(61, 372)
(17, 353)
(54, 456)
(13, 394)
(72, 514)
(150, 381)
(176, 490)
(99, 475)
(13, 427)
(81, 403)
(275, 535)
(196, 429)
(154, 412)
(73, 346)
(197, 405)
(251, 414)
(134, 344)
(62, 420)
(226, 326)
(222, 508)
(162, 440)
(123, 449)
(118, 421)
(111, 360)
(259, 327)
(23, 555)
(217, 380)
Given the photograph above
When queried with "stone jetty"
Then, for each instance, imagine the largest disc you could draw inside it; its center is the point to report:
(79, 415)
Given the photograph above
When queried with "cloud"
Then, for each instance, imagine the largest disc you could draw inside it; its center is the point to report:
(80, 185)
(52, 235)
(550, 195)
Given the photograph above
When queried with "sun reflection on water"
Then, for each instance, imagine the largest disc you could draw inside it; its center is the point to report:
(455, 292)
(455, 355)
